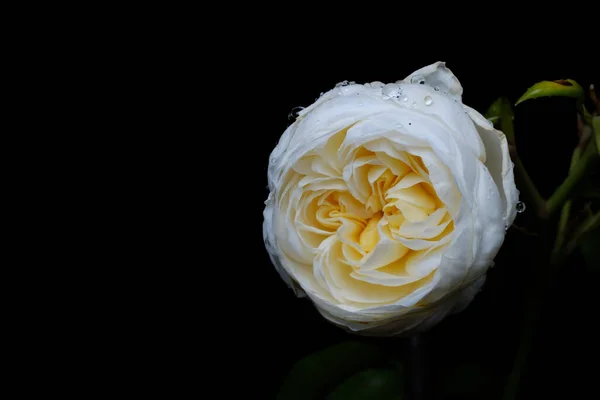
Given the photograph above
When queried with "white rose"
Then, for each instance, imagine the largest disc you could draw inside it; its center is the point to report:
(388, 203)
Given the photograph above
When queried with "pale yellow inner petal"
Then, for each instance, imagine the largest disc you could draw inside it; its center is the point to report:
(371, 216)
(370, 236)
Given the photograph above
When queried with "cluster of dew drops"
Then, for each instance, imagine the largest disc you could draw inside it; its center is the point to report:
(389, 91)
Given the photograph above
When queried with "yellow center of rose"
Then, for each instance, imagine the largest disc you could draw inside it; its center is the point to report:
(369, 236)
(370, 216)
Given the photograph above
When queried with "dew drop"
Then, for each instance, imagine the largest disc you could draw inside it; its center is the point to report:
(399, 125)
(360, 104)
(521, 207)
(414, 104)
(428, 100)
(345, 83)
(405, 99)
(391, 90)
(418, 79)
(295, 111)
(436, 88)
(445, 92)
(318, 121)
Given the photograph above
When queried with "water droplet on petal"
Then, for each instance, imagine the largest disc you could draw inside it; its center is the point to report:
(342, 83)
(436, 88)
(295, 111)
(418, 79)
(360, 103)
(405, 99)
(445, 92)
(399, 125)
(521, 207)
(414, 104)
(318, 121)
(428, 100)
(391, 90)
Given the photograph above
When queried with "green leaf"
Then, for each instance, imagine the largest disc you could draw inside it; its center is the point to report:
(316, 374)
(561, 88)
(590, 250)
(372, 384)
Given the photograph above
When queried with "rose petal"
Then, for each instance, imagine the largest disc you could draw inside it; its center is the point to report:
(498, 163)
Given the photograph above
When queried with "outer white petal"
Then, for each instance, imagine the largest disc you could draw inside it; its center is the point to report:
(438, 75)
(413, 319)
(272, 248)
(498, 163)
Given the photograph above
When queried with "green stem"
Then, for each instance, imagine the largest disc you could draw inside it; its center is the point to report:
(565, 213)
(561, 195)
(524, 182)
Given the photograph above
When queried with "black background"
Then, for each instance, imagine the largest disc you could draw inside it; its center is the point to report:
(281, 328)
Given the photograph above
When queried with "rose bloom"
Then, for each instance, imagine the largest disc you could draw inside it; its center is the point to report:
(388, 202)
